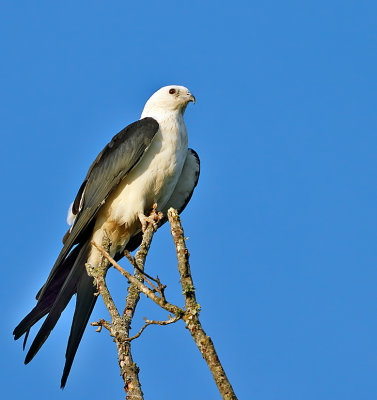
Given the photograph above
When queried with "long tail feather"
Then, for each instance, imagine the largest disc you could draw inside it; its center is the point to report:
(45, 302)
(66, 292)
(84, 306)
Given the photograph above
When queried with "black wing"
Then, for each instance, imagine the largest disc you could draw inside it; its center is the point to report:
(186, 184)
(114, 162)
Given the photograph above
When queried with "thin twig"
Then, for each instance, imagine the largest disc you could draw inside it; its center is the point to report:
(160, 288)
(102, 323)
(133, 262)
(130, 258)
(145, 277)
(148, 322)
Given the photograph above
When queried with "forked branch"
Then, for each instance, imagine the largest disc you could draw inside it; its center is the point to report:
(190, 315)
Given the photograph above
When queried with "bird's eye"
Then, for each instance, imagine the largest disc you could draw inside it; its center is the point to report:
(172, 91)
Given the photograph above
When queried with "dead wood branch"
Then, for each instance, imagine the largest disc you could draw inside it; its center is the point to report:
(204, 342)
(144, 289)
(120, 325)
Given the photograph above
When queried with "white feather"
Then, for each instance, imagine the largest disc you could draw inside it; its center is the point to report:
(70, 216)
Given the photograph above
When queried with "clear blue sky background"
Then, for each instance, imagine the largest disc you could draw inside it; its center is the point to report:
(282, 226)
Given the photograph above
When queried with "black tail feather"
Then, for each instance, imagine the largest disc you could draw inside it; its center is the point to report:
(70, 278)
(84, 306)
(55, 284)
(25, 339)
(46, 302)
(66, 292)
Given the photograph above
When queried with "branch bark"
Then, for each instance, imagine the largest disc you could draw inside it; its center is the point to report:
(202, 340)
(130, 372)
(121, 324)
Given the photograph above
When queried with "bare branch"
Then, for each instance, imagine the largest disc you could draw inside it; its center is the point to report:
(99, 274)
(121, 325)
(160, 289)
(130, 372)
(148, 292)
(119, 328)
(204, 342)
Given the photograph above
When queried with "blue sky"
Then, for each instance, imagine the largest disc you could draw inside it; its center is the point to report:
(282, 226)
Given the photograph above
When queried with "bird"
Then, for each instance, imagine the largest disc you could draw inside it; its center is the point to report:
(147, 165)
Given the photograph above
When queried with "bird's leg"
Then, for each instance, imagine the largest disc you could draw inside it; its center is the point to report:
(154, 218)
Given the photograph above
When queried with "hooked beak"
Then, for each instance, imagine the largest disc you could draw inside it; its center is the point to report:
(191, 97)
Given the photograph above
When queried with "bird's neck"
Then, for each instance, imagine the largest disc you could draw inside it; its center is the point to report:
(163, 115)
(172, 130)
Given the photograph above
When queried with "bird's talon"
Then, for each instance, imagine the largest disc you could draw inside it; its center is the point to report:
(153, 219)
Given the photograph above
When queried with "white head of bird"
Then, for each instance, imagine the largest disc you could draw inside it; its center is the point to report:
(169, 99)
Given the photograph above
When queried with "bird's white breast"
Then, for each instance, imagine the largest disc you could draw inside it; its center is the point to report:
(155, 177)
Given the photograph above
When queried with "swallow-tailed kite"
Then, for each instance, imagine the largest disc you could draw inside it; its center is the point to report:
(146, 163)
